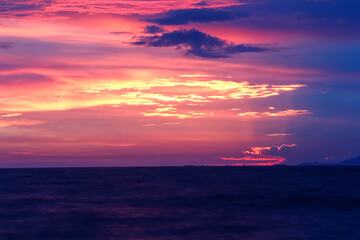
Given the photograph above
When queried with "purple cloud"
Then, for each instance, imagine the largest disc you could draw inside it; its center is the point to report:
(6, 45)
(197, 43)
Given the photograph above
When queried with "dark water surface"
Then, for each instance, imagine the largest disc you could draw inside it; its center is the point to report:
(248, 203)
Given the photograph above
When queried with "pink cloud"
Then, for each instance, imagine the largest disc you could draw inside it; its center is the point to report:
(260, 156)
(36, 9)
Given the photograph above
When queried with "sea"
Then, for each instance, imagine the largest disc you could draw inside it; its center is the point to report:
(191, 202)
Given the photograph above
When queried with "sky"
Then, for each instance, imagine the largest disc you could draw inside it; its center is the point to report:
(178, 82)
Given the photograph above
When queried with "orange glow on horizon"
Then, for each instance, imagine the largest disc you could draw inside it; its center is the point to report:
(259, 156)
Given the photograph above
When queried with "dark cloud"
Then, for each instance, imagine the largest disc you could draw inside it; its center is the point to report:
(283, 150)
(153, 29)
(13, 7)
(22, 8)
(6, 45)
(184, 16)
(197, 43)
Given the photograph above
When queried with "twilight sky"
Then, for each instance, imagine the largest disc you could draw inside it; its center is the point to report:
(178, 82)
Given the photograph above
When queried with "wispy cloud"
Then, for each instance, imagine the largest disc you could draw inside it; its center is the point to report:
(10, 123)
(286, 113)
(190, 90)
(278, 134)
(10, 115)
(171, 111)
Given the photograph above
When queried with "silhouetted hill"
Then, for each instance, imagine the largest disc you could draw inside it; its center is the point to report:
(347, 162)
(310, 164)
(350, 162)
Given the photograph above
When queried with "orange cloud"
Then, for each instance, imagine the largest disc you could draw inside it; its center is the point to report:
(278, 134)
(289, 112)
(10, 115)
(19, 123)
(286, 113)
(69, 94)
(171, 111)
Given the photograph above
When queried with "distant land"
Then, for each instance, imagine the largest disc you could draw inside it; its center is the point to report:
(347, 162)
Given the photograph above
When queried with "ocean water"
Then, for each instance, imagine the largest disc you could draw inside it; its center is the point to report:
(251, 203)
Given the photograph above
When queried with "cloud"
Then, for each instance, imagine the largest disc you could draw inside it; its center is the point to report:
(154, 93)
(289, 112)
(8, 7)
(171, 111)
(153, 29)
(10, 115)
(6, 45)
(262, 156)
(286, 113)
(278, 134)
(20, 8)
(202, 15)
(19, 123)
(197, 43)
(23, 78)
(278, 150)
